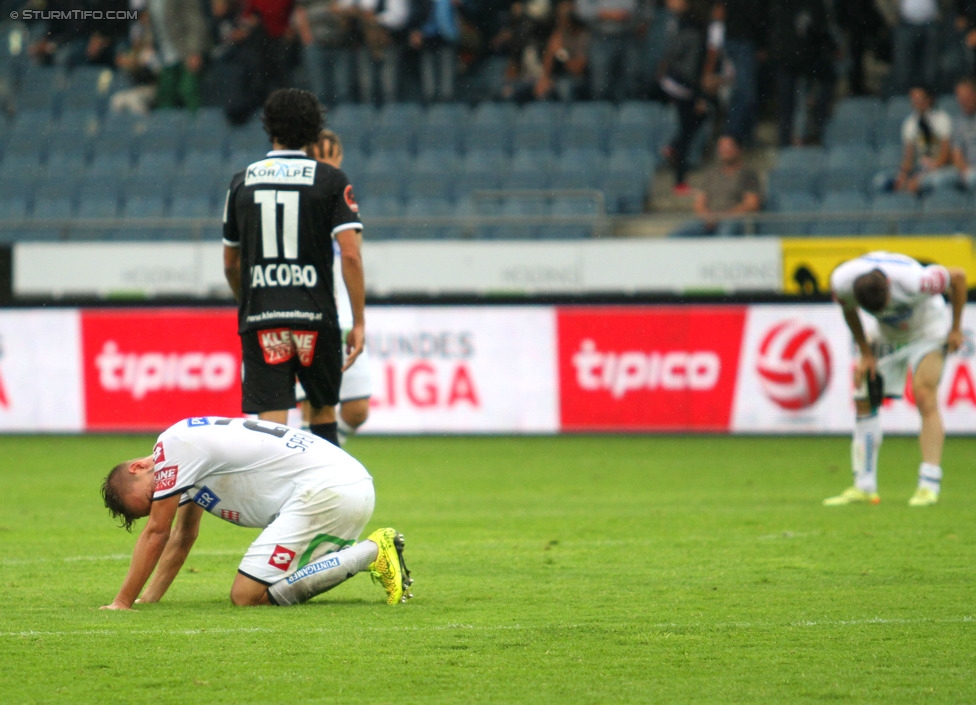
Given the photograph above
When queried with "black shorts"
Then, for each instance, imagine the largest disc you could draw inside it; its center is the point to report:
(274, 357)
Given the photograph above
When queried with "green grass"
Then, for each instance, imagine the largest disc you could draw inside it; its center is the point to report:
(569, 570)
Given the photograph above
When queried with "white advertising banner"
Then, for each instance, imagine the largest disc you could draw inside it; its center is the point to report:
(723, 264)
(463, 370)
(40, 371)
(118, 269)
(419, 267)
(795, 376)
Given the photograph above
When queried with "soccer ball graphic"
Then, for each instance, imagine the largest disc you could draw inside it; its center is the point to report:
(794, 365)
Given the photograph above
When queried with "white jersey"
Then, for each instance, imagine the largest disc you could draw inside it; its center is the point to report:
(915, 309)
(245, 471)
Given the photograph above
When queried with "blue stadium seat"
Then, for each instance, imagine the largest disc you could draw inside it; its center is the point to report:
(518, 207)
(168, 122)
(631, 161)
(98, 206)
(25, 167)
(433, 136)
(250, 138)
(580, 168)
(849, 167)
(109, 164)
(188, 206)
(853, 130)
(633, 136)
(888, 130)
(849, 207)
(867, 108)
(143, 206)
(581, 209)
(624, 193)
(944, 211)
(897, 106)
(794, 205)
(156, 163)
(422, 208)
(891, 213)
(203, 162)
(65, 160)
(530, 169)
(587, 125)
(490, 127)
(537, 126)
(14, 206)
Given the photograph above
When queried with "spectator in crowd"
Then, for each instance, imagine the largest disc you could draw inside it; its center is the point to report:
(564, 64)
(381, 27)
(435, 37)
(679, 82)
(137, 59)
(966, 28)
(862, 29)
(925, 143)
(745, 38)
(324, 28)
(521, 39)
(613, 48)
(181, 37)
(729, 191)
(802, 48)
(916, 28)
(67, 41)
(963, 140)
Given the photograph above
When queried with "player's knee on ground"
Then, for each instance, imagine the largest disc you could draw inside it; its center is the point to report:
(248, 593)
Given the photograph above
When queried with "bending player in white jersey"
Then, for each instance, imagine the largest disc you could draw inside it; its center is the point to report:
(907, 326)
(356, 387)
(311, 498)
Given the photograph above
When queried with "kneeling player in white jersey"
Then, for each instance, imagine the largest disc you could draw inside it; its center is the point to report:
(907, 326)
(311, 498)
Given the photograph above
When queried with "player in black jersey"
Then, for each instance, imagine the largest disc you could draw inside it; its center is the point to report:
(279, 220)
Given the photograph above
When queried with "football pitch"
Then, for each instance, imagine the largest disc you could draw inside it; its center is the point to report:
(630, 569)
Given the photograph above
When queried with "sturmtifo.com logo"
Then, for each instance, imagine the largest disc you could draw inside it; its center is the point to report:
(794, 365)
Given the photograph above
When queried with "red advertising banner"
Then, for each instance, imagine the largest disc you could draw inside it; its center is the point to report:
(657, 368)
(145, 368)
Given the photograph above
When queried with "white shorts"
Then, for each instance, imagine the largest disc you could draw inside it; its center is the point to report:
(308, 527)
(894, 360)
(357, 383)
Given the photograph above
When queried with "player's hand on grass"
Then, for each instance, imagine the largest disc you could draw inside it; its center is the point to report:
(116, 605)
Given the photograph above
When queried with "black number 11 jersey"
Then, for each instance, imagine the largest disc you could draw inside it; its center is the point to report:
(283, 212)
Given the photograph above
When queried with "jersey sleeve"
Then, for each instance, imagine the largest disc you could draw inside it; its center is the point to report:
(177, 465)
(232, 237)
(842, 285)
(345, 214)
(934, 279)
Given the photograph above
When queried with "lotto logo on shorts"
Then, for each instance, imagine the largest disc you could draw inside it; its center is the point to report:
(280, 345)
(166, 478)
(281, 557)
(230, 515)
(158, 455)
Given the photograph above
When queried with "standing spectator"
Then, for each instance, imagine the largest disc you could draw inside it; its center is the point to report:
(729, 191)
(435, 38)
(565, 62)
(862, 27)
(280, 267)
(963, 138)
(802, 48)
(916, 27)
(745, 38)
(906, 325)
(521, 39)
(925, 148)
(180, 31)
(613, 46)
(381, 27)
(324, 28)
(679, 82)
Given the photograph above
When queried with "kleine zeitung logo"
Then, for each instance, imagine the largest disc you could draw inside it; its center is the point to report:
(633, 370)
(794, 365)
(142, 373)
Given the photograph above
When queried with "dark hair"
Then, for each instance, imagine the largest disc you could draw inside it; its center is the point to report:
(925, 88)
(112, 490)
(871, 291)
(293, 118)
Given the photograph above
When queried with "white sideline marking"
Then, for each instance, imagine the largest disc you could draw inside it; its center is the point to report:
(111, 557)
(471, 627)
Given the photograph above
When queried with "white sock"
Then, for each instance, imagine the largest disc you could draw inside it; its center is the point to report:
(324, 574)
(344, 430)
(864, 452)
(930, 476)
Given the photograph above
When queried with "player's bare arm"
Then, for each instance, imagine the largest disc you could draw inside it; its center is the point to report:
(181, 540)
(350, 249)
(147, 552)
(232, 270)
(957, 297)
